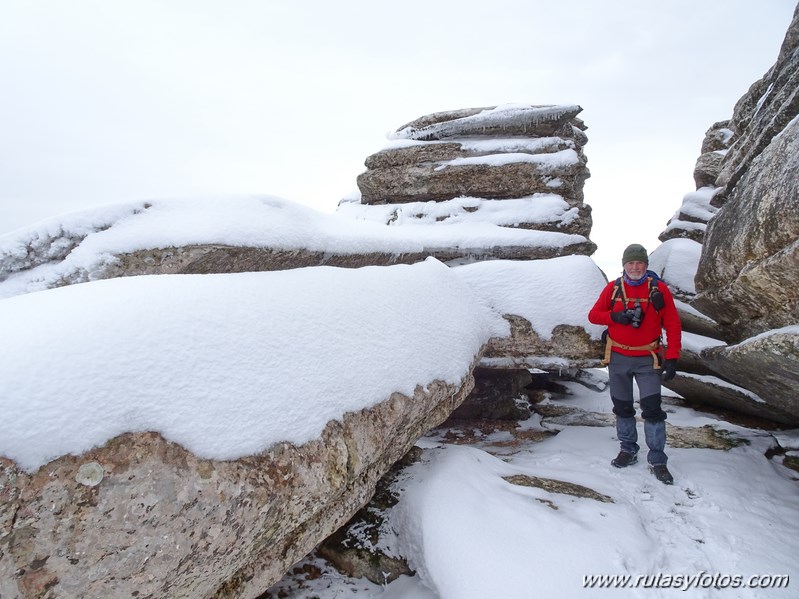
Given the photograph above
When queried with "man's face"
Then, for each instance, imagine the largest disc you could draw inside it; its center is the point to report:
(635, 269)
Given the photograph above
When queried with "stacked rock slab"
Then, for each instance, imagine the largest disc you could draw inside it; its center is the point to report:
(748, 274)
(142, 517)
(747, 278)
(690, 221)
(517, 166)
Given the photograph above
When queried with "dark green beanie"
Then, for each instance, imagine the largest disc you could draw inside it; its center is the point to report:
(634, 252)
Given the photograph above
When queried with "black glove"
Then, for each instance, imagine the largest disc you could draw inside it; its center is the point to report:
(621, 317)
(669, 369)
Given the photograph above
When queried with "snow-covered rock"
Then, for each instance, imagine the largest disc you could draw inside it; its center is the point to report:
(193, 436)
(745, 279)
(258, 233)
(479, 163)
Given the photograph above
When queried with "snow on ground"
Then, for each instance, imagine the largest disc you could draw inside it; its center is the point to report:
(246, 355)
(469, 533)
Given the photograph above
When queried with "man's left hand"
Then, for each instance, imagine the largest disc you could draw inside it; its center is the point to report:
(669, 369)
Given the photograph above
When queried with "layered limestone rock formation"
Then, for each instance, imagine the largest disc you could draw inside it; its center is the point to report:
(747, 277)
(514, 166)
(142, 517)
(518, 169)
(749, 269)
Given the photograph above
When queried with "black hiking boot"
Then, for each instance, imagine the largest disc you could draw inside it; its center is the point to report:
(662, 473)
(624, 459)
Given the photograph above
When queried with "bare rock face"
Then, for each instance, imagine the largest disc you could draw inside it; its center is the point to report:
(718, 393)
(207, 259)
(715, 146)
(747, 277)
(764, 111)
(486, 156)
(569, 346)
(767, 365)
(142, 517)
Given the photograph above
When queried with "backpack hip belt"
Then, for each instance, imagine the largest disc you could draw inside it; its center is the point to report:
(650, 347)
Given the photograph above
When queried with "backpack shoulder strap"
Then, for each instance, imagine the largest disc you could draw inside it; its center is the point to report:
(655, 295)
(618, 292)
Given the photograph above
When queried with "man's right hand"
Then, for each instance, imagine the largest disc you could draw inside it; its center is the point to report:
(621, 317)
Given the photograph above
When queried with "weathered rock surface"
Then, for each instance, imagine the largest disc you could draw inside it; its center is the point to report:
(563, 173)
(695, 322)
(511, 121)
(569, 346)
(494, 154)
(220, 259)
(765, 110)
(715, 146)
(768, 365)
(541, 149)
(748, 277)
(745, 213)
(718, 393)
(152, 520)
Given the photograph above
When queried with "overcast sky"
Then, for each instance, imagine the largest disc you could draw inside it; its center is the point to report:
(108, 101)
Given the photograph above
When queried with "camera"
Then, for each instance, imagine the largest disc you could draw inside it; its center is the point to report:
(635, 314)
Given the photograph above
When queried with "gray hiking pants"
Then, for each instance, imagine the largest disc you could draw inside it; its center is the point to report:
(622, 370)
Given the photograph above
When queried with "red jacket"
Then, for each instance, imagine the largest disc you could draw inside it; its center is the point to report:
(652, 323)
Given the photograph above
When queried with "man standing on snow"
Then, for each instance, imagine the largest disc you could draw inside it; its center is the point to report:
(636, 308)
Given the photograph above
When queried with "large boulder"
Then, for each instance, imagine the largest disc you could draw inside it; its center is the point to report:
(248, 234)
(495, 153)
(513, 166)
(718, 393)
(748, 276)
(767, 365)
(143, 517)
(764, 111)
(746, 279)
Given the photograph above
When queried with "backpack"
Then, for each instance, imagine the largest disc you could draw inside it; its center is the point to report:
(655, 299)
(655, 296)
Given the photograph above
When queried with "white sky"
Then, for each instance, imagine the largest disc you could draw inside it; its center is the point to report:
(110, 102)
